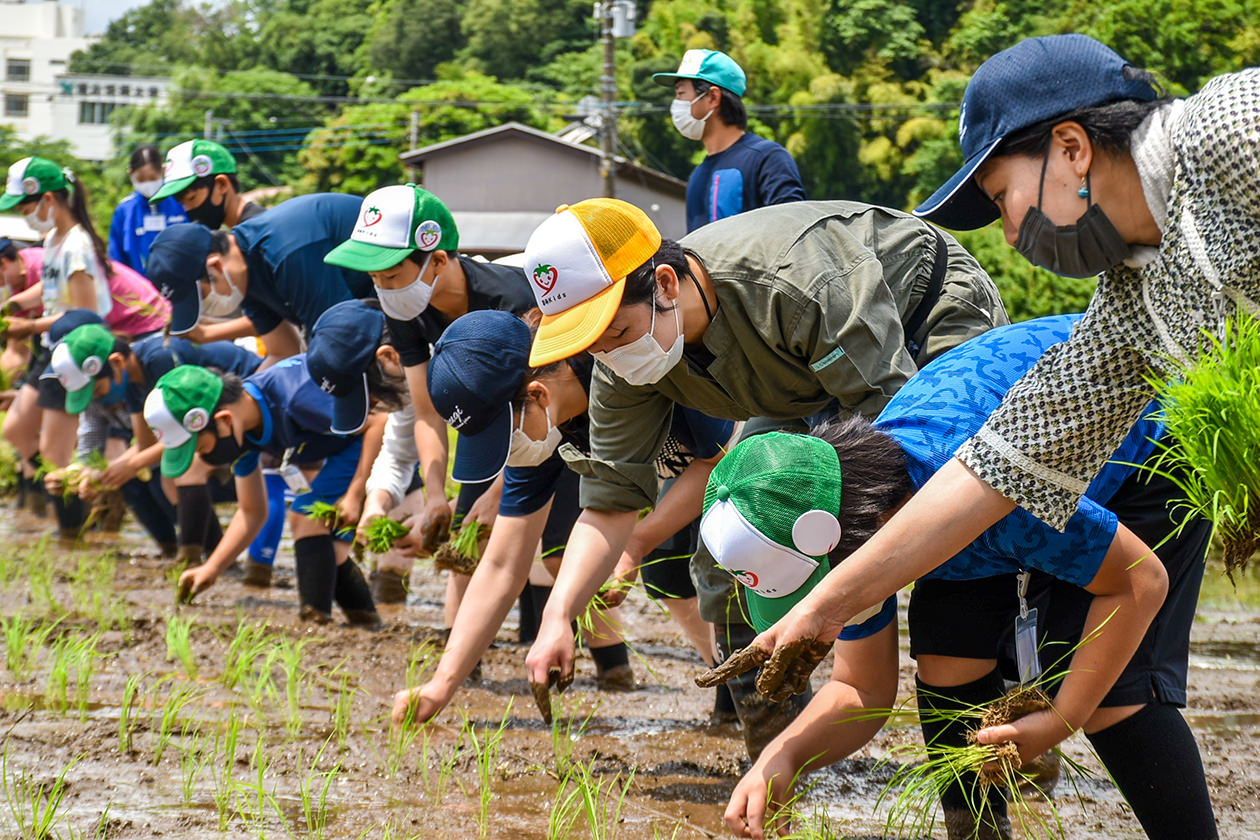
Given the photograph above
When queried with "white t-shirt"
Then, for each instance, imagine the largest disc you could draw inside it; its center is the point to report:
(65, 257)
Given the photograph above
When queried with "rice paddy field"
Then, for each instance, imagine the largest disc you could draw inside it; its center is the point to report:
(125, 716)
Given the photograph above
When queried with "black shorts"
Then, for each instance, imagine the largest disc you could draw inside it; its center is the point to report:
(976, 619)
(666, 570)
(40, 357)
(565, 511)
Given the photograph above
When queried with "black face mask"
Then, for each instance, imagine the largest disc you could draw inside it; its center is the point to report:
(226, 450)
(1085, 249)
(207, 213)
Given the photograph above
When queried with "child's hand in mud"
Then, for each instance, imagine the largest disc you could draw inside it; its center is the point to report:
(193, 582)
(435, 524)
(417, 706)
(742, 660)
(783, 673)
(550, 660)
(54, 482)
(758, 799)
(542, 692)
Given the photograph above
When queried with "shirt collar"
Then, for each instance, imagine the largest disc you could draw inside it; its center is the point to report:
(265, 410)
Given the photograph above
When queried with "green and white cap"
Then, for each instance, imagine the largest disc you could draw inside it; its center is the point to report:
(770, 518)
(30, 177)
(76, 362)
(394, 222)
(179, 407)
(189, 161)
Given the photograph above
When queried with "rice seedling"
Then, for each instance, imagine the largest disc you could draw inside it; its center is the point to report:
(177, 700)
(290, 656)
(1211, 451)
(248, 644)
(192, 759)
(313, 791)
(85, 664)
(179, 643)
(566, 807)
(34, 805)
(486, 755)
(23, 638)
(127, 713)
(566, 730)
(342, 704)
(383, 532)
(423, 656)
(436, 771)
(328, 516)
(462, 552)
(400, 741)
(63, 653)
(602, 801)
(255, 804)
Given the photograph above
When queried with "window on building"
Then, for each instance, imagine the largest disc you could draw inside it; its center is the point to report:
(18, 70)
(82, 88)
(95, 113)
(15, 105)
(124, 90)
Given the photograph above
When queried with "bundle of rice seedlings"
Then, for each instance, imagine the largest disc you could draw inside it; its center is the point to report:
(383, 532)
(915, 790)
(1211, 408)
(462, 552)
(328, 516)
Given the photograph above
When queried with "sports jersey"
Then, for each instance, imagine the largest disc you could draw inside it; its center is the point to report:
(136, 224)
(946, 402)
(752, 172)
(296, 415)
(157, 355)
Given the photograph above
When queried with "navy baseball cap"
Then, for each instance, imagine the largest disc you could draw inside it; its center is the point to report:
(71, 320)
(343, 345)
(1037, 79)
(177, 262)
(476, 369)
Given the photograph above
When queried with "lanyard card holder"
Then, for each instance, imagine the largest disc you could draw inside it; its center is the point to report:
(1026, 658)
(293, 477)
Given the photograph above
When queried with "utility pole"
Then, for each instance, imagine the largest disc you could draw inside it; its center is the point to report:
(608, 97)
(209, 124)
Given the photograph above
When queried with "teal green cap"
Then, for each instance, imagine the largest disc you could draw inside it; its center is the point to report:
(716, 68)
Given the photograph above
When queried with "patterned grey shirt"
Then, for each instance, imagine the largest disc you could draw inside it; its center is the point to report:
(1059, 424)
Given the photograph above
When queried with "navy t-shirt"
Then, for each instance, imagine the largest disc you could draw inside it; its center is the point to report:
(752, 173)
(947, 402)
(691, 435)
(158, 355)
(296, 415)
(285, 248)
(501, 288)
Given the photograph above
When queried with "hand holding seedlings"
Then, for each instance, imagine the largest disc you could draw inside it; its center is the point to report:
(435, 525)
(783, 673)
(193, 582)
(542, 691)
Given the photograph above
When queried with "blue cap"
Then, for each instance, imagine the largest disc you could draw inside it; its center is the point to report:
(71, 320)
(177, 262)
(716, 68)
(343, 345)
(476, 369)
(1037, 79)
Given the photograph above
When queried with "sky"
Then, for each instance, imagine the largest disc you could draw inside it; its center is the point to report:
(98, 13)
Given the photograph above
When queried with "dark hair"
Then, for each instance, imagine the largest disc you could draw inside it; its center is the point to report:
(533, 318)
(76, 198)
(641, 283)
(219, 242)
(875, 479)
(731, 108)
(9, 252)
(122, 346)
(418, 257)
(389, 391)
(233, 388)
(1109, 125)
(375, 304)
(146, 155)
(207, 181)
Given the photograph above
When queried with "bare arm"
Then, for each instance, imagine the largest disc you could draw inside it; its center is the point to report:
(222, 331)
(839, 720)
(82, 292)
(281, 343)
(431, 445)
(491, 593)
(250, 516)
(351, 504)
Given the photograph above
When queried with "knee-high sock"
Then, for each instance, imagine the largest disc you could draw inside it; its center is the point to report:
(1155, 762)
(960, 795)
(153, 510)
(316, 562)
(351, 591)
(194, 512)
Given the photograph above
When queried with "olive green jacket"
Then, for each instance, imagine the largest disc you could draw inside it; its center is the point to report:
(811, 302)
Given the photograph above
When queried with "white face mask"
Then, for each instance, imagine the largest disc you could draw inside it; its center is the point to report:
(35, 223)
(148, 189)
(643, 361)
(411, 300)
(527, 452)
(216, 306)
(687, 125)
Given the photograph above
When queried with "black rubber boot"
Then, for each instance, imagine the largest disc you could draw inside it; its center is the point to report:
(71, 515)
(354, 596)
(760, 720)
(316, 561)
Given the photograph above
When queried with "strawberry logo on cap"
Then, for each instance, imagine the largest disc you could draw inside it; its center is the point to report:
(371, 216)
(30, 186)
(428, 234)
(201, 165)
(196, 419)
(545, 277)
(747, 578)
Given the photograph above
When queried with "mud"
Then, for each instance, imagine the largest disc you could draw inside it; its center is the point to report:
(431, 785)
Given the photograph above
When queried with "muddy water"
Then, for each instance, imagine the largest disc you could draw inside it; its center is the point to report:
(683, 767)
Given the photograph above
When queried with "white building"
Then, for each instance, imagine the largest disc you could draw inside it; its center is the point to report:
(40, 98)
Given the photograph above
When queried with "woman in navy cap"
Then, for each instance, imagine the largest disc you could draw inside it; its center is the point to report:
(519, 417)
(1091, 172)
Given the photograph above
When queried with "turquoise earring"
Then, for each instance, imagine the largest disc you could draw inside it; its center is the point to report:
(1083, 192)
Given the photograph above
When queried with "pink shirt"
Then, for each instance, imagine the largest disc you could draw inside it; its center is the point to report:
(137, 309)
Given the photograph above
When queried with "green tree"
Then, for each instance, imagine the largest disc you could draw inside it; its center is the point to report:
(412, 37)
(857, 32)
(144, 41)
(507, 37)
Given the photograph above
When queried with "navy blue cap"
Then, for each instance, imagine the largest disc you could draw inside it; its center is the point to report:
(343, 345)
(476, 369)
(5, 242)
(1037, 79)
(177, 262)
(72, 319)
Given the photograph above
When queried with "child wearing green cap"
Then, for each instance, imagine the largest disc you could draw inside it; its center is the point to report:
(201, 175)
(223, 419)
(1095, 590)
